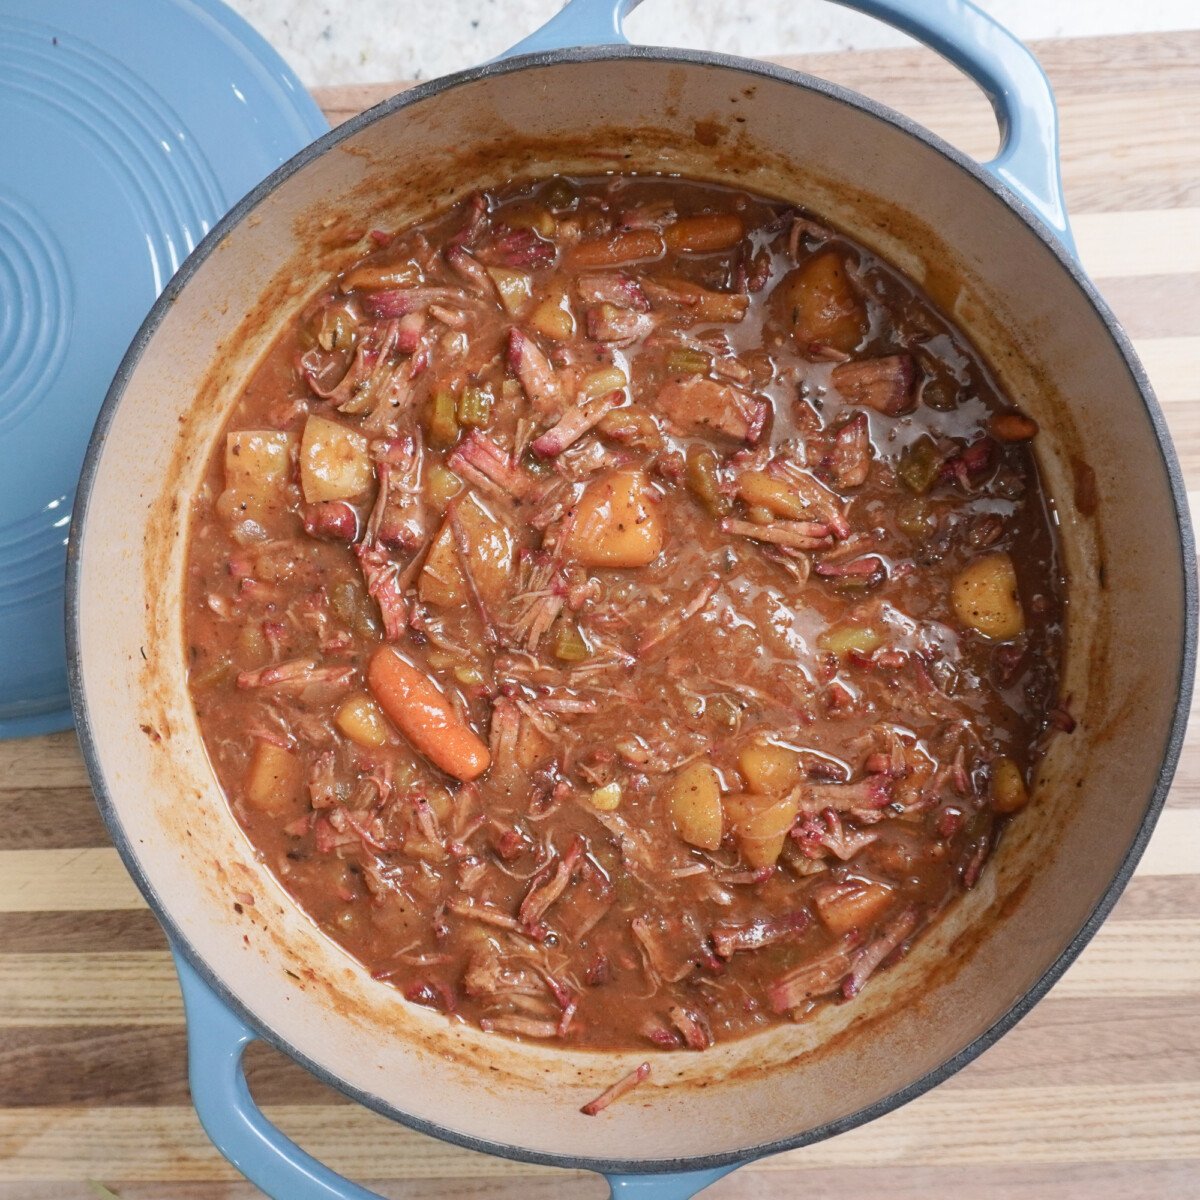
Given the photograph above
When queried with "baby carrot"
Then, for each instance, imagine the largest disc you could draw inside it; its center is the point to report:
(419, 710)
(704, 234)
(618, 248)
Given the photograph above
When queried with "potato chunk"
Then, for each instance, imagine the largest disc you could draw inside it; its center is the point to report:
(616, 523)
(334, 463)
(820, 304)
(850, 637)
(1009, 793)
(258, 466)
(984, 596)
(273, 779)
(769, 769)
(553, 318)
(694, 801)
(490, 550)
(760, 490)
(760, 824)
(855, 904)
(514, 288)
(362, 721)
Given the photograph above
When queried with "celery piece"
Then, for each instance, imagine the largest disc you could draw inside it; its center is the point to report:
(569, 645)
(702, 480)
(919, 465)
(474, 407)
(443, 421)
(688, 362)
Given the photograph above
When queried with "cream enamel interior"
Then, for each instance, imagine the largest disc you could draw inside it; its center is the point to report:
(892, 192)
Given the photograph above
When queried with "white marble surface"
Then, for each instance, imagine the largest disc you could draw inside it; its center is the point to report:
(365, 41)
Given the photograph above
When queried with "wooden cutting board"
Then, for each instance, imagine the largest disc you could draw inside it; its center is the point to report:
(1095, 1096)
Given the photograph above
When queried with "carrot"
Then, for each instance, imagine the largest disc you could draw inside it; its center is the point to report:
(704, 234)
(619, 248)
(419, 710)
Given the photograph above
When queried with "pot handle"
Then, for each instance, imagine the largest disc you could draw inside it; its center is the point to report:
(1003, 67)
(1007, 72)
(217, 1039)
(681, 1186)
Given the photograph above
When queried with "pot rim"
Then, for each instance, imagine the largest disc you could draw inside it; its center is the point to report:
(1183, 685)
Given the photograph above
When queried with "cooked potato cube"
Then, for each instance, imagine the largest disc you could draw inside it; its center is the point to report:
(273, 779)
(760, 490)
(616, 523)
(1009, 793)
(821, 304)
(334, 463)
(258, 466)
(760, 824)
(258, 459)
(533, 747)
(490, 550)
(362, 721)
(607, 798)
(600, 383)
(694, 801)
(441, 486)
(855, 904)
(849, 637)
(553, 318)
(515, 289)
(984, 595)
(441, 581)
(768, 768)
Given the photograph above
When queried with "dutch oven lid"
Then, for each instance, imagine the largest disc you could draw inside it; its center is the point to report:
(126, 132)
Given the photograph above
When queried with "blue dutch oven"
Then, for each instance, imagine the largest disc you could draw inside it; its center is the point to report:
(992, 245)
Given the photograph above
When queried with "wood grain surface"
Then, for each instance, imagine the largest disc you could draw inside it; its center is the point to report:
(1095, 1096)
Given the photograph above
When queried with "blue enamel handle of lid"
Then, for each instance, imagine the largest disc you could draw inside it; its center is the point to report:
(1007, 72)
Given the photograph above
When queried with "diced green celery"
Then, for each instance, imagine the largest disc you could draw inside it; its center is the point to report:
(702, 480)
(688, 362)
(213, 675)
(468, 676)
(569, 645)
(474, 406)
(915, 518)
(919, 465)
(443, 420)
